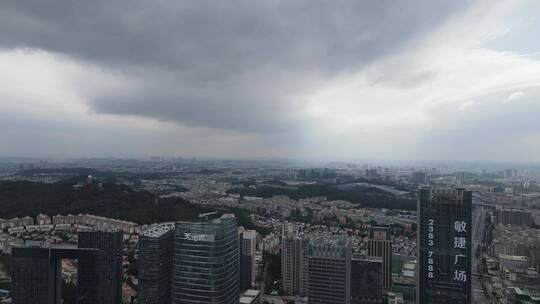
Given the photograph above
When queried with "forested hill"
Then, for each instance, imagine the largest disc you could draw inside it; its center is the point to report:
(371, 197)
(22, 198)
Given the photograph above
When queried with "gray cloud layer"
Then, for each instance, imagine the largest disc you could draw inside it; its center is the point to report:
(219, 64)
(305, 78)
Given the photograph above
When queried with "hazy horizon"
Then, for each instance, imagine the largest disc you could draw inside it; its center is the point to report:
(419, 164)
(382, 80)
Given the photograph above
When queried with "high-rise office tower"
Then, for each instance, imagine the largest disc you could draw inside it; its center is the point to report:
(155, 263)
(518, 217)
(206, 261)
(329, 271)
(380, 245)
(37, 275)
(33, 279)
(248, 244)
(100, 278)
(366, 280)
(444, 246)
(293, 261)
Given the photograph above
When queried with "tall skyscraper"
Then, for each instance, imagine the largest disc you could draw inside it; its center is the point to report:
(444, 246)
(248, 244)
(100, 278)
(294, 261)
(206, 261)
(33, 279)
(36, 276)
(380, 245)
(329, 271)
(155, 263)
(366, 280)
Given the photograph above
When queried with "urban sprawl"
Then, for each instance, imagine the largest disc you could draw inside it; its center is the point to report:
(338, 233)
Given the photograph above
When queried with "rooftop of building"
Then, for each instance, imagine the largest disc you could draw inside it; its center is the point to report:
(330, 248)
(210, 217)
(326, 241)
(515, 258)
(159, 230)
(249, 234)
(249, 296)
(379, 227)
(361, 257)
(246, 300)
(251, 293)
(516, 290)
(456, 193)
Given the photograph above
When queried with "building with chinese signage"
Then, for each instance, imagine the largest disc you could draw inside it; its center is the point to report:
(444, 246)
(206, 261)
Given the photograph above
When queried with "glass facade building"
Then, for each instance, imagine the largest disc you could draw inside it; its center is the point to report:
(100, 278)
(366, 280)
(380, 245)
(33, 279)
(444, 246)
(248, 241)
(37, 273)
(206, 262)
(155, 263)
(329, 271)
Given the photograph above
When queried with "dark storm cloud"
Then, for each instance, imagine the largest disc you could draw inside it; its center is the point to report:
(221, 107)
(219, 64)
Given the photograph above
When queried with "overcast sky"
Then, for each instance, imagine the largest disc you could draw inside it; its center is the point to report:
(401, 80)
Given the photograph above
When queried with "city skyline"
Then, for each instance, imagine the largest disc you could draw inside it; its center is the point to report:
(339, 241)
(438, 80)
(270, 152)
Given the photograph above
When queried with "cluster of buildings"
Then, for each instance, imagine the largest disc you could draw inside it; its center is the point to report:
(64, 233)
(44, 222)
(16, 222)
(327, 269)
(270, 213)
(513, 216)
(97, 222)
(212, 260)
(402, 244)
(317, 209)
(16, 230)
(513, 265)
(518, 241)
(36, 273)
(206, 261)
